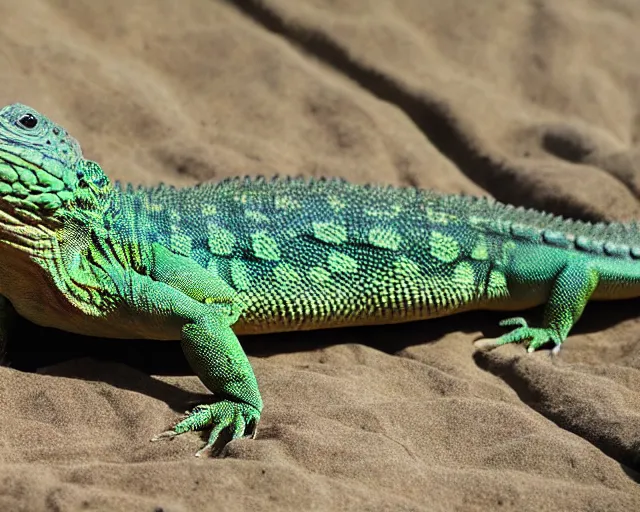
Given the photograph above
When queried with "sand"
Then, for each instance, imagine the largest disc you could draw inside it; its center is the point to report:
(535, 103)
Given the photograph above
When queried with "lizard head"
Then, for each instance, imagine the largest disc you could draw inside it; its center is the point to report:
(42, 172)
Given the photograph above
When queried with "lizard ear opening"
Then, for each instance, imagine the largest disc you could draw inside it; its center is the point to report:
(92, 188)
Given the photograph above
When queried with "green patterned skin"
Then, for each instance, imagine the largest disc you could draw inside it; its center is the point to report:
(248, 255)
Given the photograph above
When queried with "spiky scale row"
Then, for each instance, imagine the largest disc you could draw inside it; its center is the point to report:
(593, 238)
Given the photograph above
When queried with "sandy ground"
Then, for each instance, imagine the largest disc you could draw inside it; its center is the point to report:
(535, 103)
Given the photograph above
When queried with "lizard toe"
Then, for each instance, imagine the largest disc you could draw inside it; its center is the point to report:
(534, 337)
(487, 343)
(234, 419)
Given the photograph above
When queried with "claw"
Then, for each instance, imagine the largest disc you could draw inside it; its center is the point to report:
(487, 343)
(232, 418)
(206, 448)
(167, 434)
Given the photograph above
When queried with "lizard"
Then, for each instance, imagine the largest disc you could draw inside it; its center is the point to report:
(246, 255)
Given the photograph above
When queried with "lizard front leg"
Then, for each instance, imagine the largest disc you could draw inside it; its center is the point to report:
(213, 351)
(180, 288)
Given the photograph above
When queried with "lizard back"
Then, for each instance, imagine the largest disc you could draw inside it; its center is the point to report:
(306, 254)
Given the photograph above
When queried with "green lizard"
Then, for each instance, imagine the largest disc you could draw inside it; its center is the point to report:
(250, 255)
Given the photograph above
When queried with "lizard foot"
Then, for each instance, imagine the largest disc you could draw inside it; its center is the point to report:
(238, 419)
(536, 336)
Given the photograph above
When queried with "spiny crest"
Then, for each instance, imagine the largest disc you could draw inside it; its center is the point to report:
(301, 185)
(611, 239)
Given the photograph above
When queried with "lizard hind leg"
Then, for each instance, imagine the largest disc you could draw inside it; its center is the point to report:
(570, 292)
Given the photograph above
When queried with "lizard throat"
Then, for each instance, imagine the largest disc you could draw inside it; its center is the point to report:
(30, 238)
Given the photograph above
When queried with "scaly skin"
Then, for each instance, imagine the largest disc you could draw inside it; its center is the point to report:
(205, 263)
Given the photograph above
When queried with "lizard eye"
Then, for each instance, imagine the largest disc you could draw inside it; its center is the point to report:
(28, 121)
